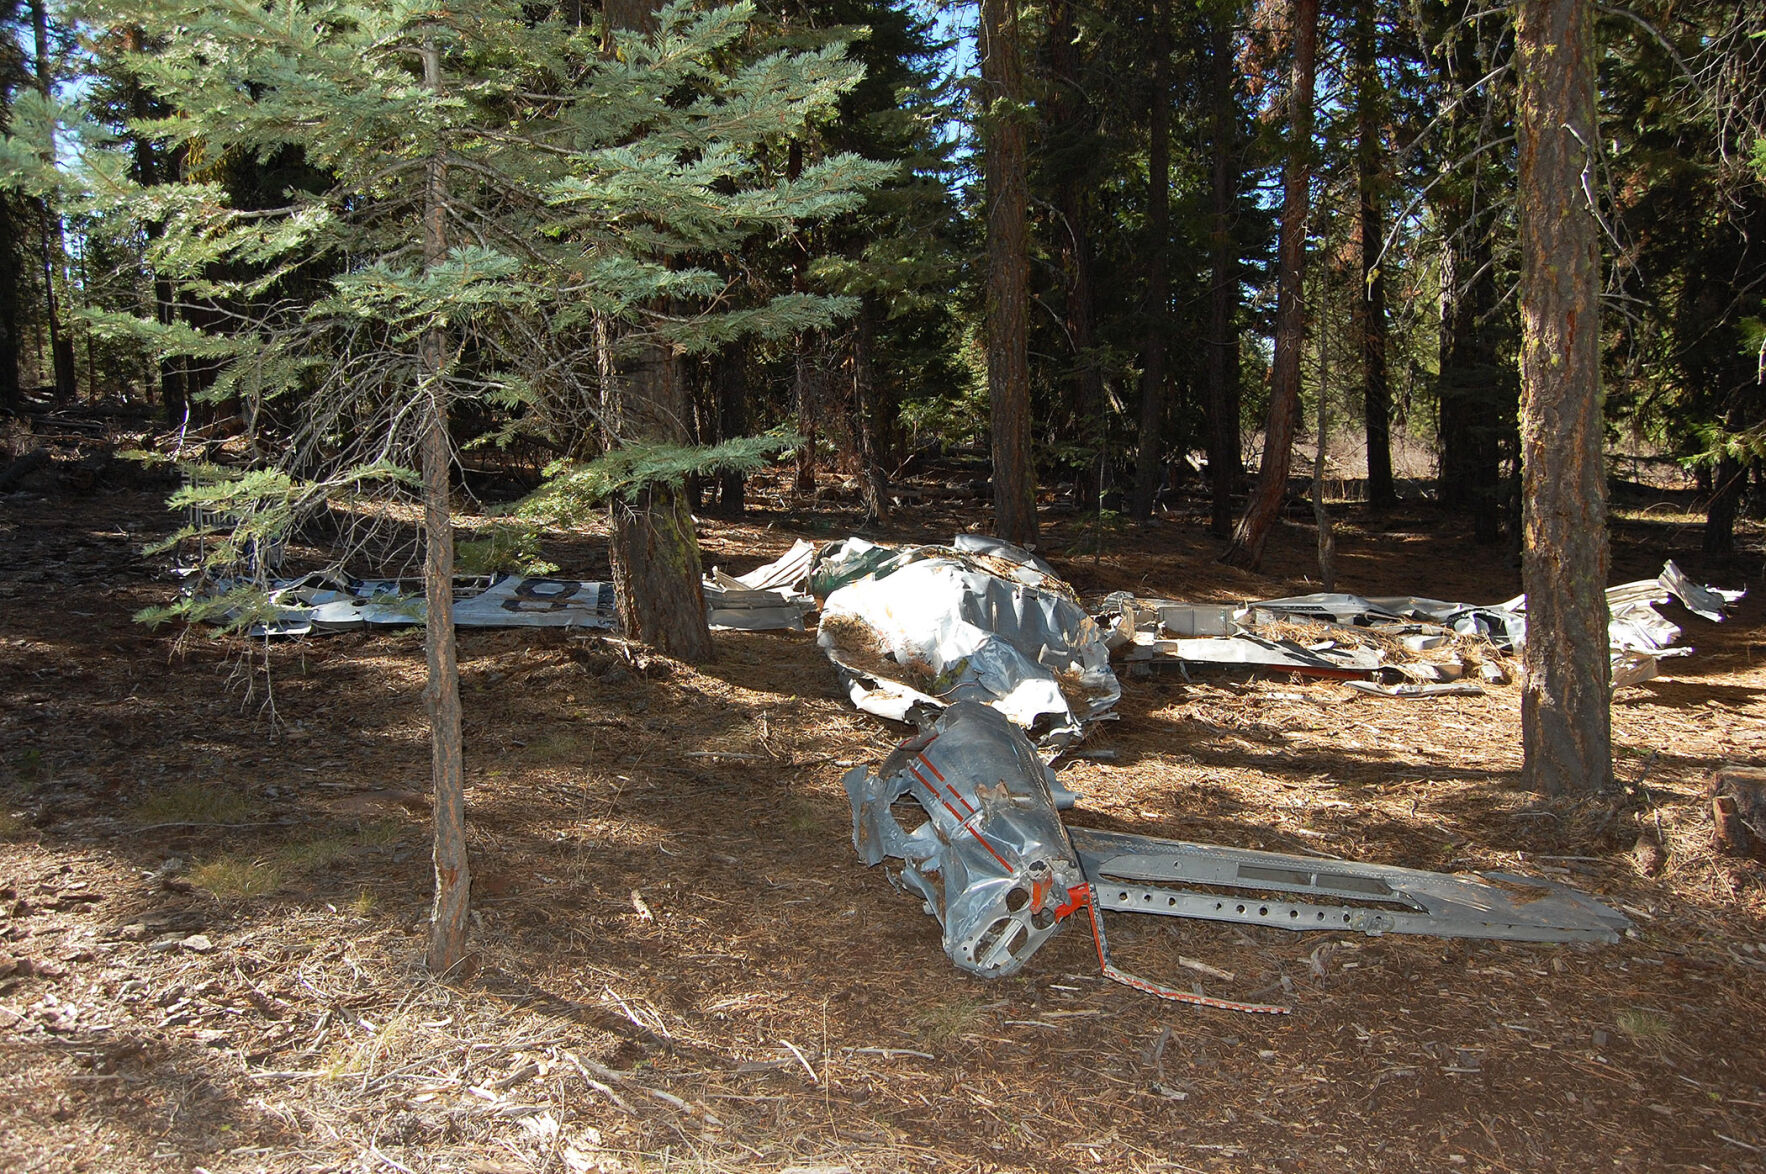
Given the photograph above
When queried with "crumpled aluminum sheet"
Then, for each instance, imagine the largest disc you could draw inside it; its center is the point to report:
(931, 626)
(992, 860)
(1639, 635)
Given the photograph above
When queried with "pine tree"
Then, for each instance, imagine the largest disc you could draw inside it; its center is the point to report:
(1566, 725)
(507, 215)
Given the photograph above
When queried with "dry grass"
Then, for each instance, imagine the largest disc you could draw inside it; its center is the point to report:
(236, 878)
(194, 803)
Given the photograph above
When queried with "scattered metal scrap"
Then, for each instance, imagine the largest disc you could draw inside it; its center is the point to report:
(998, 868)
(766, 598)
(1147, 630)
(917, 629)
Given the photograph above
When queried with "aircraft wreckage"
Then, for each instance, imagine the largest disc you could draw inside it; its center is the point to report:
(986, 649)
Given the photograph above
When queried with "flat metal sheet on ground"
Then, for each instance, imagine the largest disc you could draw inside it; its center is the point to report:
(1176, 878)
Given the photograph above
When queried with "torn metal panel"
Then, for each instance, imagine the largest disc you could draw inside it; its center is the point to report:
(1176, 878)
(1250, 651)
(1706, 602)
(770, 597)
(991, 861)
(1500, 625)
(788, 573)
(527, 602)
(1639, 635)
(843, 563)
(941, 626)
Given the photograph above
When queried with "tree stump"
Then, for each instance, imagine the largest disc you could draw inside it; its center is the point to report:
(1738, 810)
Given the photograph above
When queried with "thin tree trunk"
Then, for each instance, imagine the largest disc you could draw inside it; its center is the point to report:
(729, 385)
(1730, 479)
(1148, 466)
(1321, 516)
(1290, 315)
(11, 277)
(61, 347)
(453, 876)
(873, 482)
(1008, 274)
(1376, 395)
(1566, 732)
(806, 384)
(1070, 118)
(1224, 463)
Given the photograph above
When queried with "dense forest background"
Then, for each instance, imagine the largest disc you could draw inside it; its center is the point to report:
(1148, 140)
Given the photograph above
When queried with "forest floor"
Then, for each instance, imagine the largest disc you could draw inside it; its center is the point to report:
(211, 911)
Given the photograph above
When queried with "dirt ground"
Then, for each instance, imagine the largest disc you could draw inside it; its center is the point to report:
(213, 884)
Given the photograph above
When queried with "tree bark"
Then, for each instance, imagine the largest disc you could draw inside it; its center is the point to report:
(1225, 466)
(729, 386)
(1071, 120)
(453, 875)
(1321, 514)
(654, 550)
(1148, 466)
(11, 277)
(1475, 387)
(61, 347)
(1566, 732)
(1290, 315)
(1717, 537)
(1008, 273)
(873, 481)
(657, 575)
(1376, 395)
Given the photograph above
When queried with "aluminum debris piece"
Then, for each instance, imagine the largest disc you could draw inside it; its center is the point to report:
(319, 604)
(929, 626)
(991, 861)
(1175, 878)
(770, 597)
(1420, 689)
(996, 866)
(1500, 625)
(1640, 636)
(1257, 652)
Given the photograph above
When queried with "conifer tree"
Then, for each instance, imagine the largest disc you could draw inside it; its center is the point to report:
(505, 215)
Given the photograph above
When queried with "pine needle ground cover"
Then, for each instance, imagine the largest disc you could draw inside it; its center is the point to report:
(680, 963)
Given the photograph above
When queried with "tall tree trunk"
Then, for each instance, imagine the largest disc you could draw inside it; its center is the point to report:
(657, 575)
(453, 876)
(1290, 314)
(1008, 273)
(1148, 466)
(729, 386)
(1071, 119)
(1321, 514)
(61, 347)
(1225, 465)
(873, 481)
(1566, 732)
(11, 278)
(1727, 484)
(1475, 389)
(1376, 395)
(654, 550)
(149, 170)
